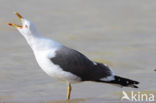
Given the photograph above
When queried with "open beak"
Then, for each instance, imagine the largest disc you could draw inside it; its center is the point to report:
(15, 25)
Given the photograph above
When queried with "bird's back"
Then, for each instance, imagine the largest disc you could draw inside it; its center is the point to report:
(75, 62)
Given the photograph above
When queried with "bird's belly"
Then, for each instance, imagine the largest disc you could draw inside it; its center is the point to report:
(56, 71)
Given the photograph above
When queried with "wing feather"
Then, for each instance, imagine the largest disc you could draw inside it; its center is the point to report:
(73, 61)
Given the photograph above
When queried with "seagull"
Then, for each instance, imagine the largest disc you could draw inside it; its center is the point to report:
(66, 64)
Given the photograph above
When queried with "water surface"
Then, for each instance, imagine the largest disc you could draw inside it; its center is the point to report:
(119, 33)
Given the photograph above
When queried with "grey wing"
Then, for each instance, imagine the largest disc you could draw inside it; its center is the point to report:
(73, 61)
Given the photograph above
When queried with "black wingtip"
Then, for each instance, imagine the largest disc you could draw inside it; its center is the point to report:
(126, 82)
(136, 82)
(134, 86)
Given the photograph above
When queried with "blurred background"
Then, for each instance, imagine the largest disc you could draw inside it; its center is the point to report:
(120, 33)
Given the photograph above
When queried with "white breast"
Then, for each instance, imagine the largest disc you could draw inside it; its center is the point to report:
(55, 71)
(44, 49)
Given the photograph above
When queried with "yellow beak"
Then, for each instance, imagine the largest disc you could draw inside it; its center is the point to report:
(15, 25)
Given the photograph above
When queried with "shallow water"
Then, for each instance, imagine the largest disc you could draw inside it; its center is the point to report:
(119, 33)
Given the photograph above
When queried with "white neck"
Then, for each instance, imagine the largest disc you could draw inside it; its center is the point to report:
(31, 38)
(38, 42)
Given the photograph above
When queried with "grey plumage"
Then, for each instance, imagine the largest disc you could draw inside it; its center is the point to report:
(76, 63)
(69, 60)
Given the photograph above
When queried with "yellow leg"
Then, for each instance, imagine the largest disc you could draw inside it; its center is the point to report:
(68, 91)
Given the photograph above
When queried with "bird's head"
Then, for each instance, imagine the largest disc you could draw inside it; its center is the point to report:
(26, 28)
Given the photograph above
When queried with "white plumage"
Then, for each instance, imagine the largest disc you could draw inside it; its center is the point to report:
(66, 64)
(44, 49)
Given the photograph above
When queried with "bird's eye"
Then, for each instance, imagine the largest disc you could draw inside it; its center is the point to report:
(26, 26)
